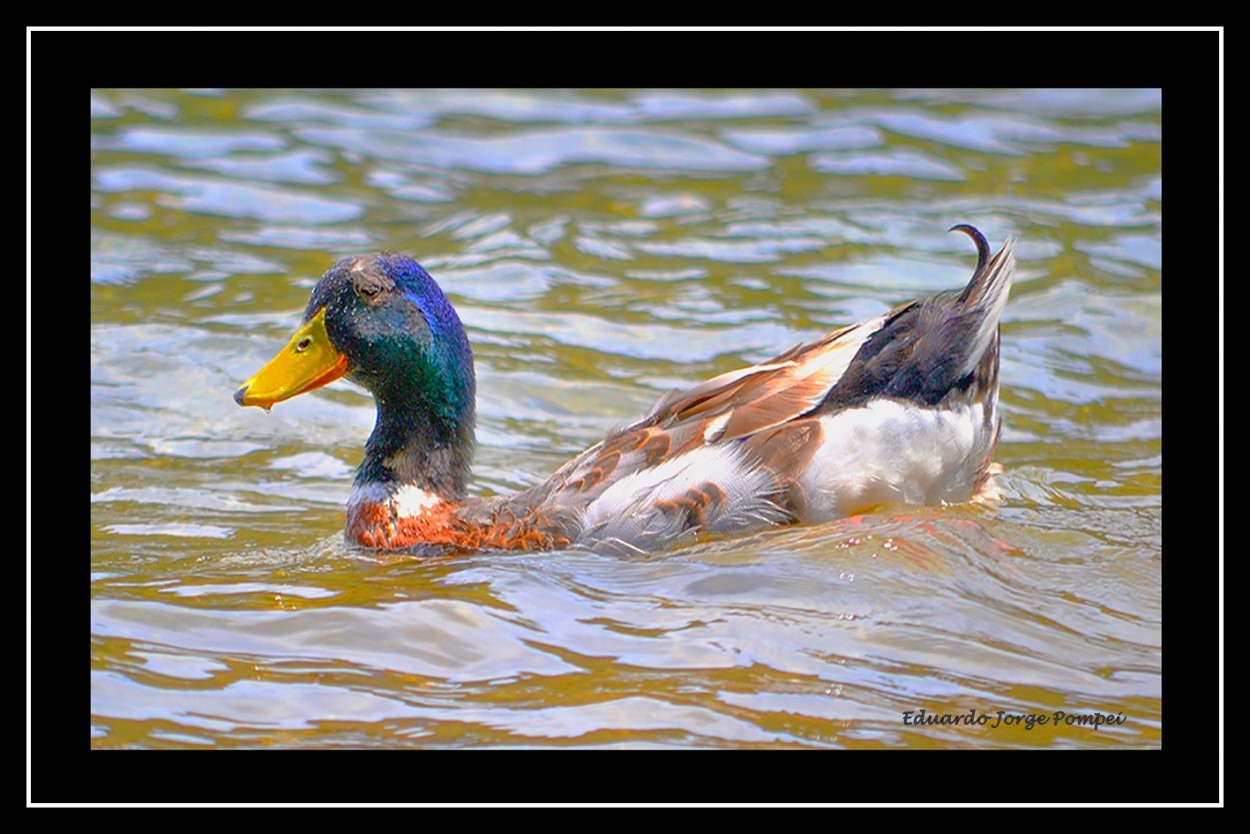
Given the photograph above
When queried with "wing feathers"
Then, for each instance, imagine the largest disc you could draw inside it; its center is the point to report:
(734, 451)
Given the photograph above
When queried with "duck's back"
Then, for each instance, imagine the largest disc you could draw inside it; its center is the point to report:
(898, 408)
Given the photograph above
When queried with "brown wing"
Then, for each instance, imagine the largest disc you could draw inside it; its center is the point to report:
(921, 351)
(737, 404)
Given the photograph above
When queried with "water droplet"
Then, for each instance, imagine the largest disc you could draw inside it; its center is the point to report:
(268, 409)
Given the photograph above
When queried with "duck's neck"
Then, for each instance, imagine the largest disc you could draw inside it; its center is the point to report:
(415, 469)
(425, 394)
(412, 447)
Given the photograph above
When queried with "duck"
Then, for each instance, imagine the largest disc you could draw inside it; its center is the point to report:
(901, 408)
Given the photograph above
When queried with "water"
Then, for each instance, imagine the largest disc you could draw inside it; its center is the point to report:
(602, 247)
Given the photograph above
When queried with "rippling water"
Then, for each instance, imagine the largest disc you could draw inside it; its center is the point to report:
(601, 248)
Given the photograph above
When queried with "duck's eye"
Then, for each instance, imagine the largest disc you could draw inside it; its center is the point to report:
(302, 344)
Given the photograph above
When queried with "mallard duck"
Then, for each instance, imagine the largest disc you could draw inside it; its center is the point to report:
(901, 408)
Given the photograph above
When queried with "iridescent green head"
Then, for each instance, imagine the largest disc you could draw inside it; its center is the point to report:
(385, 324)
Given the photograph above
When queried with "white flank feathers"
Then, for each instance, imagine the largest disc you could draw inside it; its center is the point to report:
(895, 452)
(626, 512)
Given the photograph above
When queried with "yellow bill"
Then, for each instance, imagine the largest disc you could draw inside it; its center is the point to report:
(308, 362)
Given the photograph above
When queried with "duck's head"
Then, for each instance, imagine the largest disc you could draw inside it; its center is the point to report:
(385, 324)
